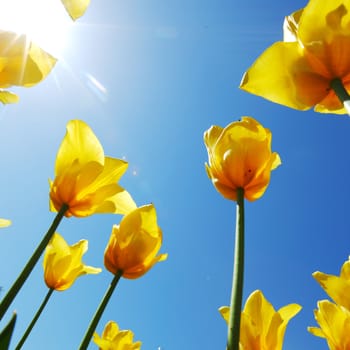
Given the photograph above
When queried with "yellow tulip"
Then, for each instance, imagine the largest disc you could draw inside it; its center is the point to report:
(337, 287)
(86, 180)
(240, 157)
(334, 322)
(63, 263)
(5, 222)
(134, 243)
(75, 8)
(298, 71)
(262, 328)
(114, 339)
(22, 63)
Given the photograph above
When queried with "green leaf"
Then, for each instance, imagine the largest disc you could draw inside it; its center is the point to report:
(6, 333)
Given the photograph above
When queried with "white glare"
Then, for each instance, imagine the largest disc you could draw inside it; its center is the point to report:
(45, 22)
(96, 87)
(347, 106)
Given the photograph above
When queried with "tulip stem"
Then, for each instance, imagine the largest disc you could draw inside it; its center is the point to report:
(17, 285)
(338, 87)
(237, 279)
(35, 318)
(93, 324)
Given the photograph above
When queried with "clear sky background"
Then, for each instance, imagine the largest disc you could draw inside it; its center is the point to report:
(150, 77)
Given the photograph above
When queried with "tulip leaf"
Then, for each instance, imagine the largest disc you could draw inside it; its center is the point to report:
(6, 333)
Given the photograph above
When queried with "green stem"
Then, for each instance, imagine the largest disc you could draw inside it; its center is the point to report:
(338, 87)
(237, 280)
(17, 285)
(37, 315)
(93, 324)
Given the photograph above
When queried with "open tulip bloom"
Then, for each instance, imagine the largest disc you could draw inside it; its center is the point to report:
(262, 327)
(85, 180)
(334, 318)
(22, 63)
(334, 322)
(113, 338)
(63, 263)
(134, 244)
(311, 67)
(239, 156)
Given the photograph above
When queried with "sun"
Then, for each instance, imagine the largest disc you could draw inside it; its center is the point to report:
(45, 22)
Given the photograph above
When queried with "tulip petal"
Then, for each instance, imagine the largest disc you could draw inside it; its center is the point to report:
(337, 288)
(23, 63)
(120, 203)
(110, 173)
(79, 143)
(291, 25)
(8, 97)
(5, 222)
(86, 180)
(320, 20)
(261, 326)
(75, 8)
(240, 157)
(289, 81)
(334, 322)
(134, 244)
(114, 339)
(63, 263)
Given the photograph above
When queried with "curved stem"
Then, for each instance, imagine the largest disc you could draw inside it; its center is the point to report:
(17, 285)
(237, 280)
(93, 324)
(338, 87)
(35, 318)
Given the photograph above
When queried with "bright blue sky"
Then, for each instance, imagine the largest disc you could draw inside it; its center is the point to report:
(171, 70)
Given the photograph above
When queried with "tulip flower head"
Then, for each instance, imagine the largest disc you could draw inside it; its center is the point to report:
(114, 339)
(334, 322)
(337, 287)
(63, 263)
(262, 328)
(75, 8)
(300, 71)
(86, 180)
(22, 63)
(240, 157)
(134, 244)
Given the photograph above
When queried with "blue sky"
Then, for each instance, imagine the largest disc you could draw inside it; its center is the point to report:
(166, 72)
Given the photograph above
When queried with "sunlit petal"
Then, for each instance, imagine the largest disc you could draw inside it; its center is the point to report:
(22, 63)
(86, 180)
(134, 243)
(5, 222)
(115, 339)
(299, 71)
(337, 287)
(76, 8)
(334, 322)
(63, 263)
(8, 97)
(239, 156)
(289, 81)
(261, 326)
